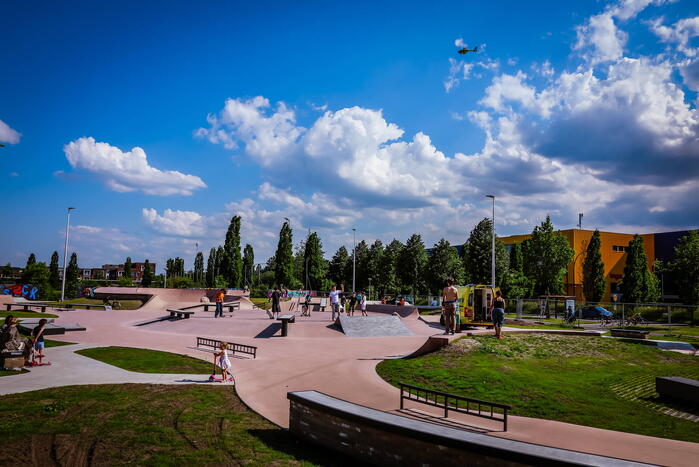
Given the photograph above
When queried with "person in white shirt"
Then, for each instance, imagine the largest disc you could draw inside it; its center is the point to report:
(335, 301)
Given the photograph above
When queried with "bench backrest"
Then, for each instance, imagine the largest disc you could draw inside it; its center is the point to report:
(232, 346)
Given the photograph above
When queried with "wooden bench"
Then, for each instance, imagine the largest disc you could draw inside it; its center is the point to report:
(180, 314)
(232, 346)
(230, 306)
(454, 403)
(632, 333)
(26, 306)
(12, 359)
(86, 306)
(286, 319)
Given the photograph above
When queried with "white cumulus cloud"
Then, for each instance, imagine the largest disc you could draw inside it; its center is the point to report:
(7, 134)
(176, 223)
(128, 171)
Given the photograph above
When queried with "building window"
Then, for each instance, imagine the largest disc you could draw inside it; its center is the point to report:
(620, 248)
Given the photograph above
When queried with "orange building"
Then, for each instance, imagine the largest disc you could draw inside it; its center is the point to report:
(613, 249)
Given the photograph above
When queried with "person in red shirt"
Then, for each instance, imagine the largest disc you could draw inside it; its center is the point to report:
(219, 303)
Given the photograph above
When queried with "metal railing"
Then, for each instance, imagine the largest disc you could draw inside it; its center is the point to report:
(240, 348)
(454, 403)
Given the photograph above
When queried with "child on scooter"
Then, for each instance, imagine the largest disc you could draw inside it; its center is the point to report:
(223, 362)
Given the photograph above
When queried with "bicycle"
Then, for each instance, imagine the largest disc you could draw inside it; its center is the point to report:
(637, 320)
(570, 319)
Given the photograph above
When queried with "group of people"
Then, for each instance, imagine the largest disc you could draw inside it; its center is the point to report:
(450, 298)
(340, 303)
(31, 348)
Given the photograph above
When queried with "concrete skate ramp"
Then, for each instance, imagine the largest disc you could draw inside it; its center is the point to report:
(372, 326)
(408, 311)
(156, 299)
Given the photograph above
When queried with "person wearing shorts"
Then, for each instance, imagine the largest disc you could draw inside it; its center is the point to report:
(498, 313)
(335, 302)
(449, 297)
(38, 338)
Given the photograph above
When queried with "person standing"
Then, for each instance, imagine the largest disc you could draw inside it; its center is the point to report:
(450, 295)
(362, 304)
(219, 303)
(352, 304)
(38, 338)
(335, 302)
(276, 309)
(498, 313)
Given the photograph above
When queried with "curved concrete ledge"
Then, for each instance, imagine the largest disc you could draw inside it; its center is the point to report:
(388, 439)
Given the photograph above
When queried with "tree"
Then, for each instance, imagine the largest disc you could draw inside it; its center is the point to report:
(411, 264)
(147, 278)
(638, 284)
(594, 282)
(31, 260)
(72, 276)
(199, 267)
(248, 264)
(546, 255)
(54, 272)
(7, 271)
(361, 270)
(371, 264)
(685, 267)
(516, 260)
(36, 274)
(211, 268)
(441, 265)
(476, 255)
(128, 267)
(388, 280)
(284, 257)
(315, 266)
(298, 263)
(234, 262)
(338, 266)
(220, 259)
(516, 285)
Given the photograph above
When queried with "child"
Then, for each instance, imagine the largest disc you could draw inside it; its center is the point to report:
(362, 304)
(343, 300)
(38, 338)
(223, 362)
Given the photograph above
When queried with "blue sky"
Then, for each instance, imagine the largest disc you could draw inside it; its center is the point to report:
(339, 116)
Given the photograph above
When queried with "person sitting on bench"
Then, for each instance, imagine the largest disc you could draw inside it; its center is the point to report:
(11, 341)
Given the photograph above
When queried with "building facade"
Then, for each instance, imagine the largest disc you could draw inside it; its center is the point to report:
(613, 248)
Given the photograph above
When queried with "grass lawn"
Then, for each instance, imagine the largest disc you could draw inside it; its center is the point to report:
(148, 361)
(575, 379)
(11, 372)
(545, 326)
(26, 314)
(145, 425)
(263, 303)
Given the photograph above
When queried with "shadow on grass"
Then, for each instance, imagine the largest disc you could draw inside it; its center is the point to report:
(285, 441)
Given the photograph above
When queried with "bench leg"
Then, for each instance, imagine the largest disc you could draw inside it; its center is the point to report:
(285, 328)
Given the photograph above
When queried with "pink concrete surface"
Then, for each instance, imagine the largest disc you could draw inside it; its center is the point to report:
(316, 356)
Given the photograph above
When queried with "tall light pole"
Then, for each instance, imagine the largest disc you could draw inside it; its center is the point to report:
(354, 254)
(65, 259)
(492, 246)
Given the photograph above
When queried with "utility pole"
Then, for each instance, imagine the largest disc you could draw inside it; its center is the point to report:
(354, 259)
(492, 247)
(65, 259)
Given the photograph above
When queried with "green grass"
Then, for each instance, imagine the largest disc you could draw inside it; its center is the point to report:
(12, 372)
(148, 361)
(263, 303)
(567, 327)
(566, 378)
(26, 314)
(145, 425)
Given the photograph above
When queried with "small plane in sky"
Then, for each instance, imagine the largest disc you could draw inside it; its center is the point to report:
(466, 50)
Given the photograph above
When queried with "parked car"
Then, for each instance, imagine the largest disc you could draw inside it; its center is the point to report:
(595, 312)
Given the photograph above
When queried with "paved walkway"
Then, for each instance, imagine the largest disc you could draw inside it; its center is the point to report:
(68, 368)
(315, 356)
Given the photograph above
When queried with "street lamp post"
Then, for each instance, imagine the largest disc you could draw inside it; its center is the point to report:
(492, 246)
(354, 254)
(65, 259)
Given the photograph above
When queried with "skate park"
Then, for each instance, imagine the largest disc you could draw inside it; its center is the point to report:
(336, 360)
